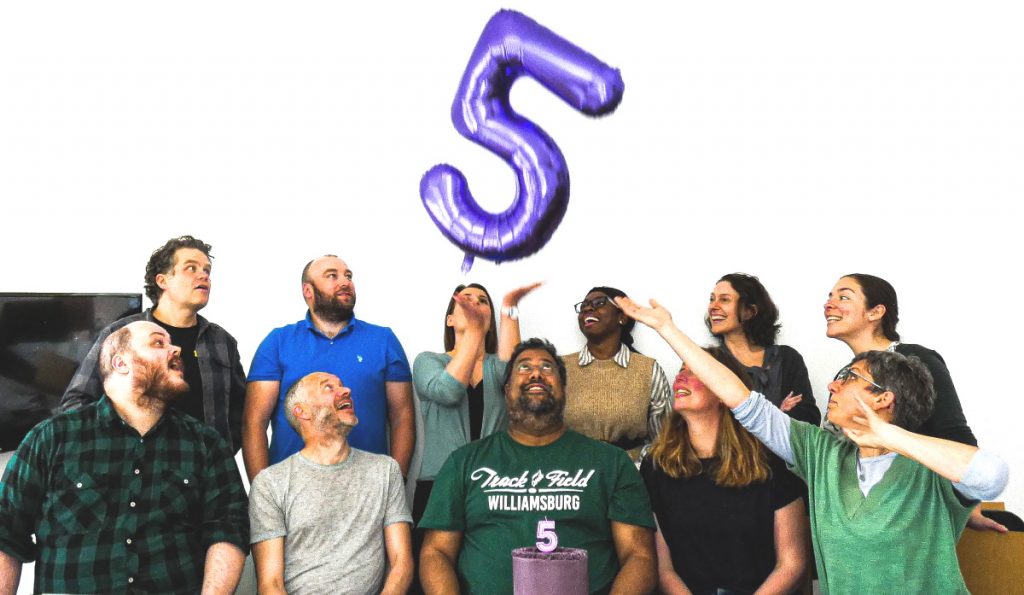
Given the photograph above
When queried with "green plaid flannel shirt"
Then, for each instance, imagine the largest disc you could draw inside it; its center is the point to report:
(113, 511)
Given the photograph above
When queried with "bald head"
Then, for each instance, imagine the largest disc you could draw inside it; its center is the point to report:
(320, 401)
(316, 262)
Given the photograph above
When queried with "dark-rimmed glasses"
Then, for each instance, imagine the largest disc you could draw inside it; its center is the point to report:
(844, 376)
(595, 303)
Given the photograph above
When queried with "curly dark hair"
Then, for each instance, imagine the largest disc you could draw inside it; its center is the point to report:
(161, 262)
(763, 327)
(910, 382)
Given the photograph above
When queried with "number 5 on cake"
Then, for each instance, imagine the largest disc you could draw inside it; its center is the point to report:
(547, 540)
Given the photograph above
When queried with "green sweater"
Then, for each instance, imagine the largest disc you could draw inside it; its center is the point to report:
(901, 537)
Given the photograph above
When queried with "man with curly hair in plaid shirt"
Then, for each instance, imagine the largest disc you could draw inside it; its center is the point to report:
(125, 494)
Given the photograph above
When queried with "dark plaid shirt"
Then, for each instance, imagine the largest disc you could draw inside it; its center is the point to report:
(114, 511)
(220, 369)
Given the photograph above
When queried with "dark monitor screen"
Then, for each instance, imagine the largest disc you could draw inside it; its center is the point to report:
(43, 339)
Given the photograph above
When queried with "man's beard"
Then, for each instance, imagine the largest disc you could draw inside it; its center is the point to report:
(330, 307)
(543, 412)
(327, 423)
(156, 382)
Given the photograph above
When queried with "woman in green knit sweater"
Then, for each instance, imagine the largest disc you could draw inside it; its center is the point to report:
(886, 506)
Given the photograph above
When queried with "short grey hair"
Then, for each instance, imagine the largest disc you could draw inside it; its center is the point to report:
(909, 381)
(296, 395)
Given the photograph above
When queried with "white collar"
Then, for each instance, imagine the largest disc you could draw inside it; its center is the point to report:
(621, 358)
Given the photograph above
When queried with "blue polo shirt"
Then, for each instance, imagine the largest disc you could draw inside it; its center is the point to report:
(363, 355)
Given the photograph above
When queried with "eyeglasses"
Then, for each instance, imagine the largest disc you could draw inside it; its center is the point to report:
(844, 376)
(543, 368)
(595, 303)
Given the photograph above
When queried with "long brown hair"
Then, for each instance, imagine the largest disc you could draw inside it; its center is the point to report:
(490, 340)
(742, 459)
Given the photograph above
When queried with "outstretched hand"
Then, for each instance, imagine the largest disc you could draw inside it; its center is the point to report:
(512, 298)
(477, 314)
(655, 317)
(790, 401)
(870, 430)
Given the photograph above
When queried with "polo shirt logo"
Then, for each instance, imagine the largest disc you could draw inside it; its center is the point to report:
(359, 358)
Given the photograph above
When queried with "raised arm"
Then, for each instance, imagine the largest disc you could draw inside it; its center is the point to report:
(976, 474)
(469, 344)
(710, 371)
(260, 400)
(508, 333)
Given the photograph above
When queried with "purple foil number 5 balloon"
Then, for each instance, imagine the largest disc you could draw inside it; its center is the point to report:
(512, 45)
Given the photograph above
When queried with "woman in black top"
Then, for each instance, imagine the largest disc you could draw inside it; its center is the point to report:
(862, 311)
(745, 320)
(729, 514)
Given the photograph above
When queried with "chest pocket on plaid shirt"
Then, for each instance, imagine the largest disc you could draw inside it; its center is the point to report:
(80, 503)
(179, 494)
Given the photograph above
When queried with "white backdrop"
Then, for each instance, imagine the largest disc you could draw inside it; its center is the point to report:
(796, 141)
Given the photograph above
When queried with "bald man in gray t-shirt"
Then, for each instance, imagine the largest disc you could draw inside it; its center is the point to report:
(328, 518)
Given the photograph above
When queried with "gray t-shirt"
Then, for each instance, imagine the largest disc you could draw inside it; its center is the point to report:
(332, 519)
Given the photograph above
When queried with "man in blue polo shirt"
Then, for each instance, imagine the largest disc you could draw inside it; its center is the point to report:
(368, 358)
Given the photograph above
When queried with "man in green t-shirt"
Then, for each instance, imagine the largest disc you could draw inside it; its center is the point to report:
(490, 495)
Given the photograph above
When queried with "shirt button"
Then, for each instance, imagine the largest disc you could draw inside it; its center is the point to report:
(186, 482)
(131, 580)
(128, 541)
(78, 485)
(132, 504)
(137, 472)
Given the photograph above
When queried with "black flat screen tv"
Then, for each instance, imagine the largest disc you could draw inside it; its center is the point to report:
(43, 339)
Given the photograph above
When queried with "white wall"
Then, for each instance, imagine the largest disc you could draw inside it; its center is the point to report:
(795, 141)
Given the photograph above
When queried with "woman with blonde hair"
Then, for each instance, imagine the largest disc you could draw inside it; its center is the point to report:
(730, 517)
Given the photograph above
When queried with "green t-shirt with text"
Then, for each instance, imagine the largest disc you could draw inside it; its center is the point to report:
(496, 490)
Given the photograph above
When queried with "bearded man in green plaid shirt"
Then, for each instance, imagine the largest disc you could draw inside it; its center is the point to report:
(125, 494)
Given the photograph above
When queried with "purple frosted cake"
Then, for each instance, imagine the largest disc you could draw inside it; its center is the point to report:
(563, 571)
